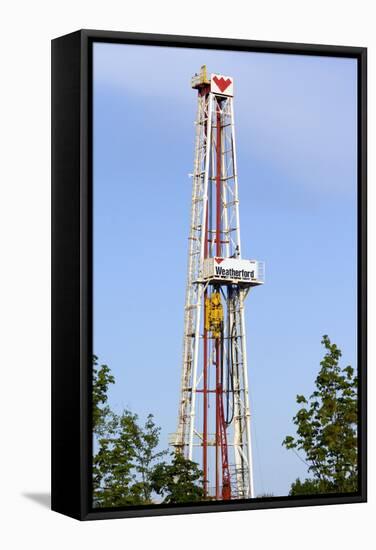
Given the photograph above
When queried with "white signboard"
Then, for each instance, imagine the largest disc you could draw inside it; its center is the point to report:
(233, 270)
(220, 84)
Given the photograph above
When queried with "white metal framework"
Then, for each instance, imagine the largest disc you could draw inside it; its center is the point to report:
(214, 414)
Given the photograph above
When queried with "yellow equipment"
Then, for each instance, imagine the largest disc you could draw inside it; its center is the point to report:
(200, 80)
(214, 314)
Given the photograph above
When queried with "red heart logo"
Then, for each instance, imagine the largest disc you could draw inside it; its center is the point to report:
(222, 83)
(219, 260)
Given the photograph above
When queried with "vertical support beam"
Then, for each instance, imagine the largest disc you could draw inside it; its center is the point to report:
(218, 179)
(200, 289)
(181, 440)
(218, 392)
(246, 395)
(205, 376)
(239, 437)
(226, 142)
(217, 420)
(236, 190)
(205, 356)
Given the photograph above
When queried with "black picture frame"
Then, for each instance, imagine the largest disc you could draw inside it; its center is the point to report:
(72, 286)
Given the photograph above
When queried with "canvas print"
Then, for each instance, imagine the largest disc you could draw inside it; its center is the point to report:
(224, 276)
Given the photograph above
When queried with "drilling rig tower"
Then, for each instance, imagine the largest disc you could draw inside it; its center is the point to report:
(214, 421)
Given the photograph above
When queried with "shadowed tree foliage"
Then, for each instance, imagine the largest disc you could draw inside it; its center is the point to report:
(126, 461)
(327, 429)
(146, 441)
(179, 481)
(102, 378)
(113, 464)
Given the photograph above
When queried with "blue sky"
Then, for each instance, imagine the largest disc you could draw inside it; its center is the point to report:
(295, 121)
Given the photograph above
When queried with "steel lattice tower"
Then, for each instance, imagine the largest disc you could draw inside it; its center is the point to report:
(214, 414)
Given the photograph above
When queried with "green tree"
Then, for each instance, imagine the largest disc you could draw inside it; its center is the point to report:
(179, 481)
(125, 452)
(114, 462)
(327, 428)
(104, 428)
(102, 378)
(114, 476)
(146, 441)
(126, 462)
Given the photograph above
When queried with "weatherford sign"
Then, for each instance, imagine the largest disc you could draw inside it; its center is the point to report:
(233, 270)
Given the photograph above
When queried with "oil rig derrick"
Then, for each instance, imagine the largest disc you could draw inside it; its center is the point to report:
(214, 423)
